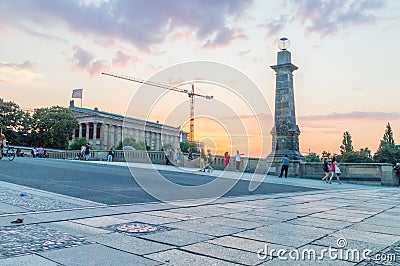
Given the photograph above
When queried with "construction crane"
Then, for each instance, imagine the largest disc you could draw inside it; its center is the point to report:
(191, 95)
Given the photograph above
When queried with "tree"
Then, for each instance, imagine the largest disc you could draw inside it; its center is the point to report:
(326, 154)
(77, 144)
(387, 152)
(388, 136)
(347, 143)
(312, 157)
(186, 145)
(52, 127)
(11, 117)
(138, 145)
(167, 146)
(361, 156)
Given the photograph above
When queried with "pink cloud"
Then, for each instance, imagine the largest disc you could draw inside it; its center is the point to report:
(141, 23)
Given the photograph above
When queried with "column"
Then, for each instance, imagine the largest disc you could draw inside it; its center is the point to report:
(285, 134)
(87, 131)
(94, 136)
(158, 141)
(80, 130)
(119, 135)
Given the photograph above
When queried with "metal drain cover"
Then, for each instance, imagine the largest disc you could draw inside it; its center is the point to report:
(136, 228)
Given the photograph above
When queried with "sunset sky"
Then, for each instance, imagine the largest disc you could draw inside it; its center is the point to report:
(346, 51)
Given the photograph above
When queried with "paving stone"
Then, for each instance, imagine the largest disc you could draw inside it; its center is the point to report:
(8, 208)
(247, 216)
(228, 254)
(76, 228)
(27, 260)
(182, 258)
(231, 222)
(95, 255)
(32, 202)
(370, 237)
(6, 220)
(337, 217)
(177, 216)
(321, 223)
(387, 256)
(285, 234)
(28, 239)
(204, 228)
(146, 218)
(367, 227)
(244, 244)
(177, 237)
(129, 243)
(331, 241)
(100, 221)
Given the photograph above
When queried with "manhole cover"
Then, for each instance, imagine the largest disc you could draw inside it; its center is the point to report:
(136, 228)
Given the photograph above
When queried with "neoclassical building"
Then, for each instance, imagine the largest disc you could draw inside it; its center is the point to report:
(103, 129)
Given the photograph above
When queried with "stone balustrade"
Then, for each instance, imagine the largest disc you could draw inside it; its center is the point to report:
(360, 173)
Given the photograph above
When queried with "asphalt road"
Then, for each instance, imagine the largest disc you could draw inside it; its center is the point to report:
(110, 184)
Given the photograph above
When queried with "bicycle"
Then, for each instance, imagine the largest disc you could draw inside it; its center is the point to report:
(7, 151)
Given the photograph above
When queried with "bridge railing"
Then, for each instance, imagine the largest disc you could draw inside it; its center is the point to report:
(361, 173)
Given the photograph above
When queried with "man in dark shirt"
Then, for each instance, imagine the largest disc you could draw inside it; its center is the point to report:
(285, 165)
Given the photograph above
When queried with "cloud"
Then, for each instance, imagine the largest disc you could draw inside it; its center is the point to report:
(83, 60)
(275, 26)
(141, 23)
(353, 115)
(326, 17)
(18, 73)
(122, 59)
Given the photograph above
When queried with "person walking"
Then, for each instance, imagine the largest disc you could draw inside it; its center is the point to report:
(335, 171)
(178, 156)
(82, 153)
(3, 140)
(203, 158)
(190, 155)
(87, 152)
(209, 161)
(396, 169)
(285, 165)
(238, 160)
(111, 153)
(33, 152)
(325, 168)
(226, 159)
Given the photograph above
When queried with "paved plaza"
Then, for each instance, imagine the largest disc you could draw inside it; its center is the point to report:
(330, 224)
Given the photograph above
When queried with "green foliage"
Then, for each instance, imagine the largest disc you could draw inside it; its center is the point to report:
(362, 156)
(13, 122)
(326, 154)
(387, 152)
(138, 145)
(167, 146)
(51, 127)
(388, 136)
(77, 144)
(347, 143)
(186, 145)
(312, 157)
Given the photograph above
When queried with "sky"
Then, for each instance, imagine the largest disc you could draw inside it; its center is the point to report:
(346, 51)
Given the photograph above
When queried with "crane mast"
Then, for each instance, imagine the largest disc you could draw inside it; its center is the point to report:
(191, 95)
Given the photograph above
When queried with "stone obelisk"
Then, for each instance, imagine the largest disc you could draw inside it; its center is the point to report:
(285, 133)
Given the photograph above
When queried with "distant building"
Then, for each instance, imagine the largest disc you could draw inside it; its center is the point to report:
(103, 129)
